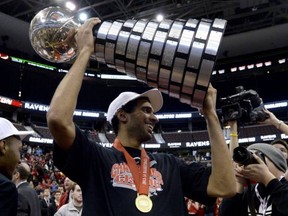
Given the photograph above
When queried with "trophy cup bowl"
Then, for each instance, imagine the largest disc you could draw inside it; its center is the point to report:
(52, 32)
(175, 56)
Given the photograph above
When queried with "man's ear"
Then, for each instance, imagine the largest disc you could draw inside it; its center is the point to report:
(121, 115)
(3, 147)
(16, 173)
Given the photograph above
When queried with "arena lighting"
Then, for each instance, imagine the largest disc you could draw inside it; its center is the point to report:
(44, 108)
(4, 56)
(83, 113)
(159, 17)
(268, 63)
(35, 107)
(269, 137)
(221, 71)
(241, 68)
(197, 144)
(175, 145)
(276, 105)
(70, 5)
(115, 77)
(90, 75)
(40, 140)
(152, 146)
(11, 102)
(258, 65)
(108, 145)
(85, 74)
(23, 61)
(247, 140)
(174, 115)
(36, 64)
(183, 115)
(62, 71)
(83, 16)
(250, 66)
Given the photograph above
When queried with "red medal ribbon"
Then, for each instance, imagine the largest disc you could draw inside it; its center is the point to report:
(141, 177)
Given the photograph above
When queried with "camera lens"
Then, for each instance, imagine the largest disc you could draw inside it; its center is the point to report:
(242, 156)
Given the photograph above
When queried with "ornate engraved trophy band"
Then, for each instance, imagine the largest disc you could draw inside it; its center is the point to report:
(176, 56)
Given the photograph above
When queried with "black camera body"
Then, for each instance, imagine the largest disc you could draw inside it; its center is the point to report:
(245, 157)
(245, 106)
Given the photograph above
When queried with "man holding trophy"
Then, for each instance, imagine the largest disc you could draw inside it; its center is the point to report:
(125, 179)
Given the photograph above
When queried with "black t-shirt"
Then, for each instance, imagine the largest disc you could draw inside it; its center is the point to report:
(107, 183)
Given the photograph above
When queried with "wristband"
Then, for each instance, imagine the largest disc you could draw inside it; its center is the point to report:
(233, 135)
(279, 124)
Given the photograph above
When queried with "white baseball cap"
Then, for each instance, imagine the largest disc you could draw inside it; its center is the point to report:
(7, 129)
(154, 96)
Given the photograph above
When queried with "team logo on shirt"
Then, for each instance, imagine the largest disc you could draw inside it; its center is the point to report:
(122, 177)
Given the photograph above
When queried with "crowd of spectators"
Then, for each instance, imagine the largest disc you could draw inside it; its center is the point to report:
(43, 172)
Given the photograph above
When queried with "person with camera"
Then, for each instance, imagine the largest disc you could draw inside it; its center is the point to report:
(281, 126)
(273, 120)
(261, 186)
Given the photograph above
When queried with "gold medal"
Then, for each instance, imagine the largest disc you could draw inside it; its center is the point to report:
(143, 203)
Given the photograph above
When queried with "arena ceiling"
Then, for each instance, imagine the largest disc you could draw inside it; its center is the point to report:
(243, 15)
(254, 26)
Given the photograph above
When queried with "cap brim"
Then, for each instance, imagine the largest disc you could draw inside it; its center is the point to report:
(155, 98)
(23, 134)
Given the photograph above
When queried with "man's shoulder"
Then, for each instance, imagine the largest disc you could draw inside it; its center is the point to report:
(3, 178)
(6, 183)
(63, 208)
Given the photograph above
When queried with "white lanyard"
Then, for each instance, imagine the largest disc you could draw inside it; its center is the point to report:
(263, 202)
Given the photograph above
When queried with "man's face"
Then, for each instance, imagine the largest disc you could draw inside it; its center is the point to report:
(57, 195)
(77, 194)
(141, 122)
(67, 183)
(47, 192)
(61, 189)
(11, 147)
(282, 149)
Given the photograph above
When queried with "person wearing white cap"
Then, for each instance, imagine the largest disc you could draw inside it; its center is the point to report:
(125, 179)
(10, 146)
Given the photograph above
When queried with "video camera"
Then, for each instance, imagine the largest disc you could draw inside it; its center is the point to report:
(245, 106)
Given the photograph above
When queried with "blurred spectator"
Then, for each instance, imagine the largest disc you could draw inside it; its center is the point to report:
(45, 202)
(74, 207)
(66, 196)
(28, 201)
(192, 206)
(53, 186)
(53, 207)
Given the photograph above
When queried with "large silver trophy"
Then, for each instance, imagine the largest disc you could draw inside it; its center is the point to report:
(176, 56)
